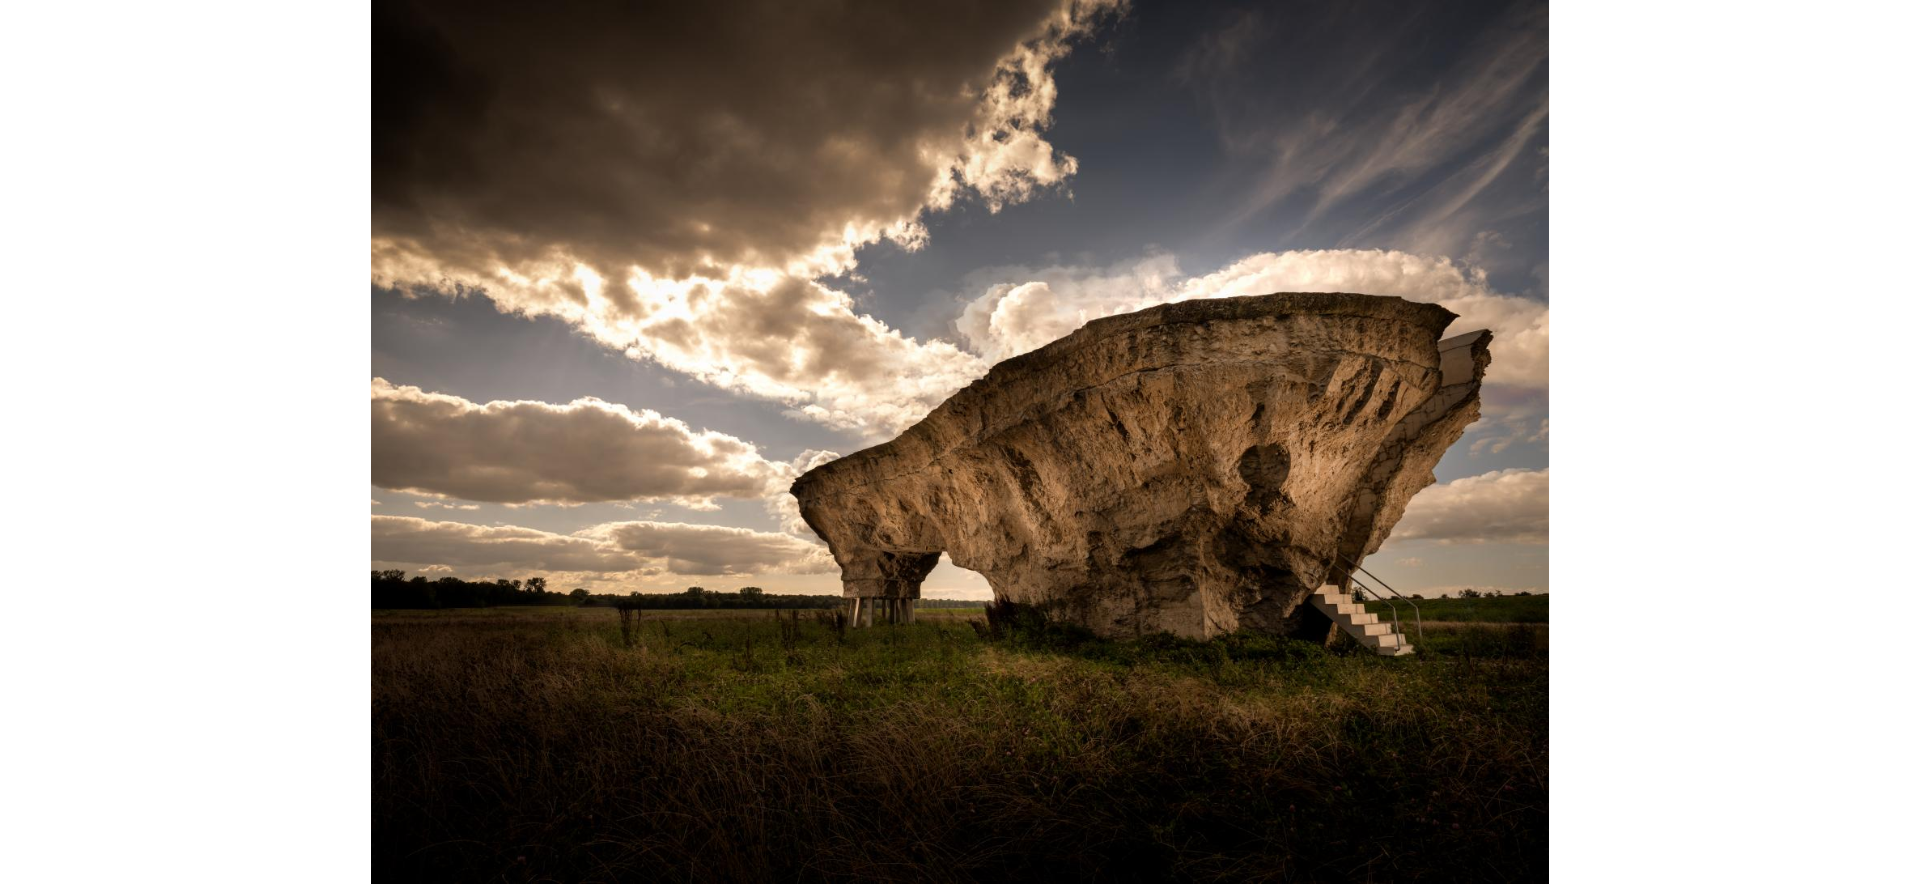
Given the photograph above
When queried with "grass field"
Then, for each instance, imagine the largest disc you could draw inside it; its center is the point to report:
(535, 745)
(1505, 609)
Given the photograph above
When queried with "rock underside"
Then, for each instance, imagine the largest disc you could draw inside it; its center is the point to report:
(1196, 468)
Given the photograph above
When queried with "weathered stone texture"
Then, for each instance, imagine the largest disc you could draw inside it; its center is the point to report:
(1196, 467)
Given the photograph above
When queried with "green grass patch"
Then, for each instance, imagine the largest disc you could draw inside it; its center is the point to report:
(536, 746)
(1505, 609)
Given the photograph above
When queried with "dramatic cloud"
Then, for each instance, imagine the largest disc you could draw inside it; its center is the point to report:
(1507, 421)
(582, 452)
(674, 178)
(1502, 435)
(713, 549)
(649, 547)
(690, 184)
(407, 540)
(789, 339)
(1508, 506)
(1014, 318)
(784, 507)
(681, 137)
(1420, 136)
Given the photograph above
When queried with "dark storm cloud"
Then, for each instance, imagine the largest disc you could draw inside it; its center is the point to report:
(672, 135)
(674, 180)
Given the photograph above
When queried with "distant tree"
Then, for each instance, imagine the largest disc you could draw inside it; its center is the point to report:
(536, 584)
(1470, 594)
(1416, 596)
(1523, 592)
(1359, 598)
(392, 590)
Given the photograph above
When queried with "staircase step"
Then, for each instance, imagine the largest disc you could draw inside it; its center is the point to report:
(1344, 609)
(1371, 628)
(1401, 651)
(1385, 640)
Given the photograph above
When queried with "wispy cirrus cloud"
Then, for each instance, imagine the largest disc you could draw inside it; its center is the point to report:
(1386, 134)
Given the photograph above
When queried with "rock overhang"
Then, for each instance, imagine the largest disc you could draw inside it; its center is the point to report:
(1195, 467)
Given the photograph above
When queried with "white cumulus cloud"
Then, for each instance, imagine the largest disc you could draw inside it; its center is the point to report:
(614, 547)
(1506, 506)
(584, 451)
(1016, 317)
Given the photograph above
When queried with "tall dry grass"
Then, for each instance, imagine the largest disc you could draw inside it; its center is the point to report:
(544, 750)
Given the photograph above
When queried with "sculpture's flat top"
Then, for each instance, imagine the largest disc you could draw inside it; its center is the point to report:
(1432, 316)
(1011, 371)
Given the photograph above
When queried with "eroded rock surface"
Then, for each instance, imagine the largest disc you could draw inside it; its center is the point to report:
(1197, 467)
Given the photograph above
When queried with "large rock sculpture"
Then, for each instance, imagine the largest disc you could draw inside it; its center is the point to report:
(1195, 468)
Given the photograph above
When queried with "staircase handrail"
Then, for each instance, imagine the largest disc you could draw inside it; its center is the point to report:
(1390, 606)
(1419, 628)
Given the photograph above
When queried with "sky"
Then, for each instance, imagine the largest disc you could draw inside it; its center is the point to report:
(633, 270)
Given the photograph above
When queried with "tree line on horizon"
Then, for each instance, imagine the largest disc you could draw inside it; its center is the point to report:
(394, 589)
